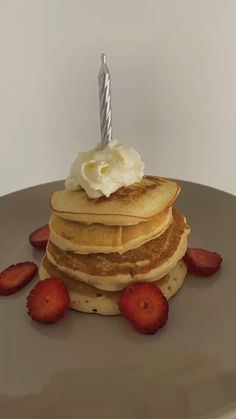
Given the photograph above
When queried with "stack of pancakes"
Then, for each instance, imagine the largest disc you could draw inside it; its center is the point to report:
(98, 247)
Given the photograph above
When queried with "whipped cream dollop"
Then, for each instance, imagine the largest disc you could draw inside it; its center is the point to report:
(102, 172)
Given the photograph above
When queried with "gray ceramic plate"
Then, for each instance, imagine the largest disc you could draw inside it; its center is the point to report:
(89, 366)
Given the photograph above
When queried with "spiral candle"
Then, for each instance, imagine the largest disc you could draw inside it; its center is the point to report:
(104, 83)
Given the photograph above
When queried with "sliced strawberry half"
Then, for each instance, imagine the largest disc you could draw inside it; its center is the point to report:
(48, 301)
(15, 277)
(39, 237)
(144, 306)
(202, 262)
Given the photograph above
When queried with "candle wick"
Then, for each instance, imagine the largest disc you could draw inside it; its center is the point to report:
(103, 58)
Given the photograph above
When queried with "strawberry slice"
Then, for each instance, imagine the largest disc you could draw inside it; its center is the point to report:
(48, 301)
(15, 277)
(144, 306)
(39, 237)
(202, 262)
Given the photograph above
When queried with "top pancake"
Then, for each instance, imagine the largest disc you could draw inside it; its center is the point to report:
(127, 206)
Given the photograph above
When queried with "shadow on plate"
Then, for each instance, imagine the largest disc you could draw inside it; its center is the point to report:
(192, 387)
(196, 282)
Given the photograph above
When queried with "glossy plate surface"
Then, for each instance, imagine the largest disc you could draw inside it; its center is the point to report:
(90, 366)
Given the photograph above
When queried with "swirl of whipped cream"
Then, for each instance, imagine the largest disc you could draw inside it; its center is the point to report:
(102, 172)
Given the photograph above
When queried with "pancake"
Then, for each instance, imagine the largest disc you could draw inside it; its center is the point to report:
(114, 271)
(88, 299)
(98, 238)
(127, 206)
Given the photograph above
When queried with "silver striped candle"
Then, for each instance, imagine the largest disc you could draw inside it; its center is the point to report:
(104, 83)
